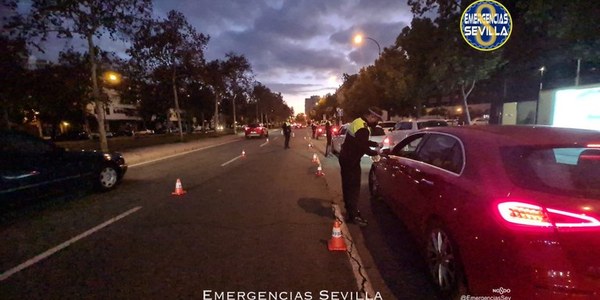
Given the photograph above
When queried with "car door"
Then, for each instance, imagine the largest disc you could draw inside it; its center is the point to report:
(438, 165)
(399, 179)
(32, 168)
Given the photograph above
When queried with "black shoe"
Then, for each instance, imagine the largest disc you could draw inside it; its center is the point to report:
(358, 220)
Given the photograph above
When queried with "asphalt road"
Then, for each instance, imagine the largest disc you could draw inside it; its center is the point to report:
(259, 223)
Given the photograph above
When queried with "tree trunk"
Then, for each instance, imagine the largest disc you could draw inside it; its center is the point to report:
(173, 81)
(216, 115)
(234, 123)
(465, 96)
(96, 95)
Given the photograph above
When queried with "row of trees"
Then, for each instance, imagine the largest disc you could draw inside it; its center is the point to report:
(166, 67)
(430, 59)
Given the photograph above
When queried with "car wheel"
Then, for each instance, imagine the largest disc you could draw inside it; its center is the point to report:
(107, 178)
(374, 187)
(444, 262)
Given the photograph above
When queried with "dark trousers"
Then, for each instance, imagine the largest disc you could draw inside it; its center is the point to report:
(350, 171)
(287, 140)
(328, 147)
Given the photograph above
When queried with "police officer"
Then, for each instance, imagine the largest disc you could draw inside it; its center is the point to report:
(287, 130)
(356, 144)
(329, 133)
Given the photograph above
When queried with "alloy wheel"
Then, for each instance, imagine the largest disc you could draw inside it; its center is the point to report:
(108, 177)
(442, 260)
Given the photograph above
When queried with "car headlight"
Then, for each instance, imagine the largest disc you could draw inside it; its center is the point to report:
(107, 156)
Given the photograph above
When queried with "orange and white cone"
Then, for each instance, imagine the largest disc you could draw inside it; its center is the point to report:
(315, 159)
(178, 188)
(319, 171)
(336, 243)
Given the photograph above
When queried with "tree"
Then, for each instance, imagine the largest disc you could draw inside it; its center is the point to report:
(171, 47)
(13, 56)
(453, 65)
(89, 20)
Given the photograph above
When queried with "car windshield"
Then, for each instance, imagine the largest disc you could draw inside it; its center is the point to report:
(561, 170)
(404, 125)
(254, 125)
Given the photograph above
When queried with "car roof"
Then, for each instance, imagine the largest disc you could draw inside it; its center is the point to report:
(521, 134)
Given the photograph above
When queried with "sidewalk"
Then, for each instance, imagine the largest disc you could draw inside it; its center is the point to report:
(139, 155)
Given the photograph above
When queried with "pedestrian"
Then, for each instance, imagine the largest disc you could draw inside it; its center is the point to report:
(313, 126)
(329, 133)
(356, 144)
(287, 131)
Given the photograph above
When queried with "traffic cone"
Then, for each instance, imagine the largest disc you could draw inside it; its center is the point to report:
(293, 134)
(309, 145)
(315, 159)
(319, 171)
(336, 243)
(178, 188)
(243, 154)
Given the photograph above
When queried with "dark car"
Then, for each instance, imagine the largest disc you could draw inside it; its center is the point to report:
(32, 168)
(511, 210)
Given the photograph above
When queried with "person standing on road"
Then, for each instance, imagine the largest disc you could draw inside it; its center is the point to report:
(287, 131)
(328, 132)
(313, 126)
(356, 144)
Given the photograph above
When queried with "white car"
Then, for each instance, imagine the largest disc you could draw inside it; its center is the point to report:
(406, 127)
(480, 121)
(377, 135)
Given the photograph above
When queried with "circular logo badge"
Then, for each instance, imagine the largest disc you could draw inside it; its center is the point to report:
(486, 25)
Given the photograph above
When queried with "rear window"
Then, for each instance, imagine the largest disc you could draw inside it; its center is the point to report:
(253, 125)
(567, 171)
(431, 123)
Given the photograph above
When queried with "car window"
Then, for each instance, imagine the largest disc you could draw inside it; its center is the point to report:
(431, 123)
(377, 131)
(404, 126)
(18, 143)
(408, 147)
(442, 151)
(570, 171)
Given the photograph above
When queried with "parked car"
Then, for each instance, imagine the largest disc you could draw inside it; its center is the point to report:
(32, 168)
(387, 125)
(403, 128)
(255, 130)
(337, 140)
(73, 136)
(500, 207)
(480, 121)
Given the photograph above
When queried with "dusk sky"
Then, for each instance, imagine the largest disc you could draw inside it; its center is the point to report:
(299, 48)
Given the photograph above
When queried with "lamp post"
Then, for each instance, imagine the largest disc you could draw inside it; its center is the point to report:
(537, 103)
(359, 38)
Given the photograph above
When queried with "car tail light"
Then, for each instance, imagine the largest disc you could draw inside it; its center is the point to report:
(320, 129)
(386, 141)
(335, 129)
(594, 145)
(533, 215)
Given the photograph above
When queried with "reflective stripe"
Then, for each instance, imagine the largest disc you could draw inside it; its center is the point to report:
(357, 124)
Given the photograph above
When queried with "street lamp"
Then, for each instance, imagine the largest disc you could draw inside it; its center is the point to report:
(359, 38)
(537, 103)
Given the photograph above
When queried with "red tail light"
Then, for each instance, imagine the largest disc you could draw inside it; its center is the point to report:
(320, 129)
(532, 215)
(386, 141)
(335, 129)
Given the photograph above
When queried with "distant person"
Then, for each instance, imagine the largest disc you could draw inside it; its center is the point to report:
(356, 144)
(328, 133)
(287, 131)
(313, 126)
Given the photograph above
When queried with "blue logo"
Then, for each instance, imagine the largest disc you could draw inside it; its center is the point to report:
(486, 25)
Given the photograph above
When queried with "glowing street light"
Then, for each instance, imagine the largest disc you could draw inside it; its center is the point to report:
(359, 38)
(112, 77)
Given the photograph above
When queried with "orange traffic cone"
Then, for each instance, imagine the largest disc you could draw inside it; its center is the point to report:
(315, 159)
(336, 243)
(243, 154)
(319, 171)
(309, 145)
(178, 188)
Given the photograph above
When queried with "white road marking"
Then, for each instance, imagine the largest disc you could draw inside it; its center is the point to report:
(360, 274)
(64, 245)
(230, 161)
(265, 142)
(182, 153)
